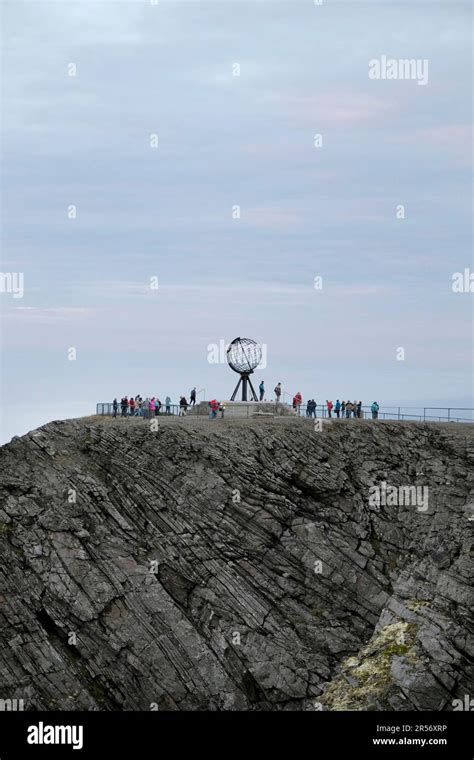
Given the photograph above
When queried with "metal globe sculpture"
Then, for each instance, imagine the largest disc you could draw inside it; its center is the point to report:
(243, 356)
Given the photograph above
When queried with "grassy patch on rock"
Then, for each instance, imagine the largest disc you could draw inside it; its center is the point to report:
(367, 676)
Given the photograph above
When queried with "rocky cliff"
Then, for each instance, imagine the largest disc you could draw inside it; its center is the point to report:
(230, 565)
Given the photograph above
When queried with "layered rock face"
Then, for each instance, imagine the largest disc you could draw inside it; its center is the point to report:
(236, 565)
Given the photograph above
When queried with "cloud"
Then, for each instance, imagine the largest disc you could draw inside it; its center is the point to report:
(340, 108)
(37, 315)
(457, 137)
(270, 218)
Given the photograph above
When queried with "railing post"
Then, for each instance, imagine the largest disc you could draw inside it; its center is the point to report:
(449, 413)
(398, 412)
(424, 414)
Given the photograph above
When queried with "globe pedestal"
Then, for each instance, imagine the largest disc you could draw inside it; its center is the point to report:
(245, 381)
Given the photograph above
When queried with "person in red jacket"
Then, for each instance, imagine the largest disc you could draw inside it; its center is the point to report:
(329, 405)
(214, 406)
(297, 400)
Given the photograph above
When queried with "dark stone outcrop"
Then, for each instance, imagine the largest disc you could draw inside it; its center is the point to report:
(232, 564)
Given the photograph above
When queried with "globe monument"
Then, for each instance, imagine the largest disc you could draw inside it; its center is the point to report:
(243, 356)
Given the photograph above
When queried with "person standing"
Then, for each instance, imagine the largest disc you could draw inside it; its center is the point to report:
(337, 408)
(375, 410)
(124, 406)
(158, 406)
(354, 408)
(277, 392)
(343, 408)
(168, 405)
(297, 401)
(261, 388)
(359, 409)
(349, 409)
(131, 406)
(183, 406)
(114, 407)
(192, 397)
(329, 405)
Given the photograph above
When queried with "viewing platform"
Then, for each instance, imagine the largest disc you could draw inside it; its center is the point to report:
(248, 409)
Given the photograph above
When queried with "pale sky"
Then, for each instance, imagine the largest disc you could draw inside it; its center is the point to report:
(166, 212)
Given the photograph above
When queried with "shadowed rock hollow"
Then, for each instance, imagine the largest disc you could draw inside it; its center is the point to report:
(234, 565)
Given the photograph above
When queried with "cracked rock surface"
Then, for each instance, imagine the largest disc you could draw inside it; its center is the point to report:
(235, 565)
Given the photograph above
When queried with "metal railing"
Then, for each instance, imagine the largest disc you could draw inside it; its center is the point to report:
(423, 414)
(107, 409)
(449, 413)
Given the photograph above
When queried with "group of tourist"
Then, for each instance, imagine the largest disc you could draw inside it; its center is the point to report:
(136, 406)
(339, 409)
(345, 409)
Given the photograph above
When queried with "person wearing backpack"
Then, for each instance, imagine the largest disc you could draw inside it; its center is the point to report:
(261, 388)
(183, 406)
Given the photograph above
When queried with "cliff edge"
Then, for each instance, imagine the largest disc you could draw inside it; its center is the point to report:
(227, 565)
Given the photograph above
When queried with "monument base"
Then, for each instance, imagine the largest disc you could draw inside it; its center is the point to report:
(243, 409)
